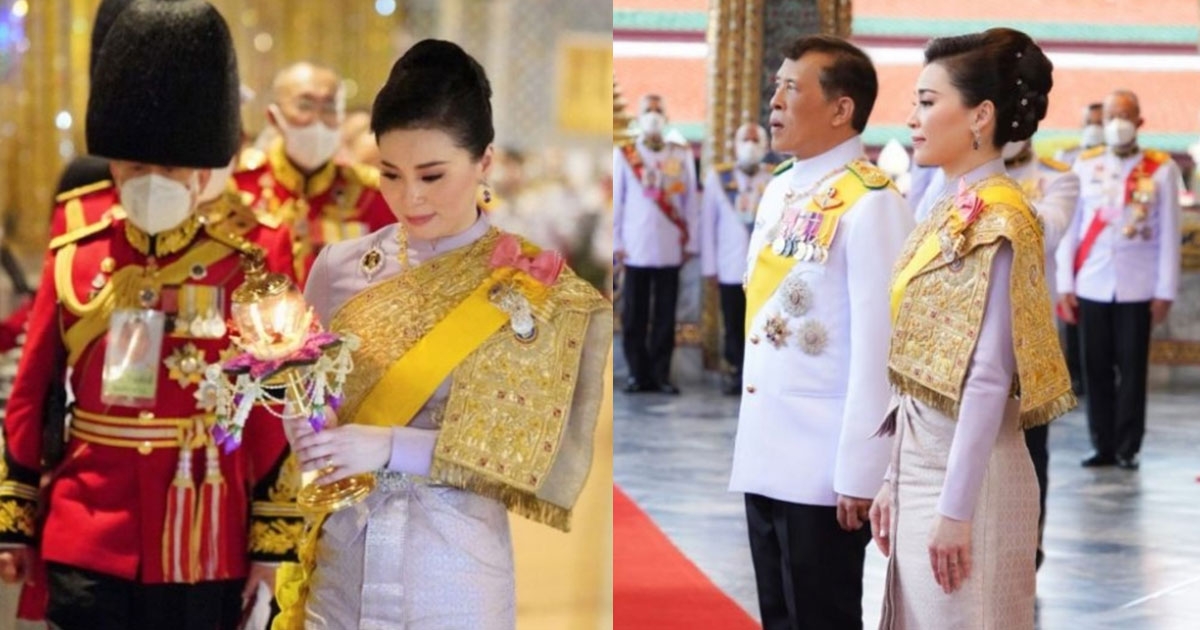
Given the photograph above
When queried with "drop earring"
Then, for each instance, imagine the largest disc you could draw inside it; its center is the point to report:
(975, 139)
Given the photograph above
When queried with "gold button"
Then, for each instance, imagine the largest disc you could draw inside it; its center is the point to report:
(750, 389)
(145, 448)
(108, 265)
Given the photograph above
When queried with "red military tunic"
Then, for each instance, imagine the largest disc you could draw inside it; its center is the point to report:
(334, 204)
(108, 500)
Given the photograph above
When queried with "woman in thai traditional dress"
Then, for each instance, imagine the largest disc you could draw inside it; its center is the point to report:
(476, 384)
(974, 356)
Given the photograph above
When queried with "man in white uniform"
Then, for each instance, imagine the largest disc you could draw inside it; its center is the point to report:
(656, 222)
(1118, 272)
(829, 229)
(731, 195)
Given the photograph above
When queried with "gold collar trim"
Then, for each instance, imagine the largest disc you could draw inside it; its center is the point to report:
(292, 179)
(172, 241)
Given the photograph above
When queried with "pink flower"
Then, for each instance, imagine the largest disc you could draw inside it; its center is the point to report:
(968, 203)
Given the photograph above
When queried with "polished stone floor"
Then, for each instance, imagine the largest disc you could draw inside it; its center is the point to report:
(1123, 549)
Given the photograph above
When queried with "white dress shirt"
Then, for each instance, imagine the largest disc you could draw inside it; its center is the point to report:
(1118, 268)
(806, 429)
(725, 231)
(640, 228)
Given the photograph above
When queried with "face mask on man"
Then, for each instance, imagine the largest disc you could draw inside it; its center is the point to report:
(1119, 132)
(1011, 150)
(157, 204)
(749, 152)
(310, 146)
(652, 123)
(1092, 136)
(217, 183)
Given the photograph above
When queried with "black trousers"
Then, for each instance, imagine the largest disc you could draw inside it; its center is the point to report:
(807, 568)
(87, 600)
(650, 295)
(1036, 441)
(1074, 355)
(1116, 350)
(733, 311)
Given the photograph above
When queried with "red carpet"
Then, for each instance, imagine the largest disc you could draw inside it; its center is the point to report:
(655, 587)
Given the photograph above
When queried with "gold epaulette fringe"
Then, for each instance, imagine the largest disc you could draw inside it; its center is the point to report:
(949, 407)
(521, 503)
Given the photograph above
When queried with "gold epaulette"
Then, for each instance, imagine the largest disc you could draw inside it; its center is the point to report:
(724, 167)
(363, 174)
(232, 228)
(1054, 165)
(82, 190)
(870, 175)
(249, 159)
(74, 234)
(783, 167)
(1092, 152)
(1157, 156)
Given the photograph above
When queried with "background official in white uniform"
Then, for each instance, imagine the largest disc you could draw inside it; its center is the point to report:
(731, 195)
(1127, 279)
(656, 224)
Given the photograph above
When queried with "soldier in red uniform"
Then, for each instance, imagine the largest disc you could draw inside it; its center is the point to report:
(147, 524)
(297, 180)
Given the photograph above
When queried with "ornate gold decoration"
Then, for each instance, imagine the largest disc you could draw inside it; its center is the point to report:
(166, 243)
(17, 516)
(275, 537)
(621, 120)
(1175, 352)
(938, 323)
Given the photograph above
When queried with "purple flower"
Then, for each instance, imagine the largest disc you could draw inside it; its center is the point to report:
(317, 420)
(334, 402)
(227, 440)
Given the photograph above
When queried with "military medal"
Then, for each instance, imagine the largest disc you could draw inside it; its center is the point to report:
(186, 365)
(776, 331)
(797, 296)
(813, 337)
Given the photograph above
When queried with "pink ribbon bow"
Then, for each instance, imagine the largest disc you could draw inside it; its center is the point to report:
(543, 267)
(968, 203)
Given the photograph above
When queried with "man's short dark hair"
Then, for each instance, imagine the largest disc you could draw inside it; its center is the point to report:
(850, 74)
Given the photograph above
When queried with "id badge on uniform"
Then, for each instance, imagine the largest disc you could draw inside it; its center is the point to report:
(132, 357)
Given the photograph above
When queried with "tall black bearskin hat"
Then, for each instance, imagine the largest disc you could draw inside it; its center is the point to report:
(106, 14)
(165, 87)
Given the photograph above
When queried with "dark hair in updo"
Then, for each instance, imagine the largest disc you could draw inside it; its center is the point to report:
(437, 85)
(1003, 66)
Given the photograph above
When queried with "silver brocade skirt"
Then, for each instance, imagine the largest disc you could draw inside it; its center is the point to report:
(1001, 590)
(414, 556)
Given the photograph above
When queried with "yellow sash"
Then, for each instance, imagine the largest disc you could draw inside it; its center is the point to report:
(770, 268)
(415, 376)
(931, 247)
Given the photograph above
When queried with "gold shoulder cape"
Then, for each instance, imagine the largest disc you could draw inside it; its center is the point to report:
(512, 403)
(938, 321)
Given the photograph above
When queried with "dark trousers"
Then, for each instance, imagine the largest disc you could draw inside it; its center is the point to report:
(1116, 350)
(1036, 441)
(648, 322)
(733, 311)
(86, 600)
(807, 568)
(1074, 355)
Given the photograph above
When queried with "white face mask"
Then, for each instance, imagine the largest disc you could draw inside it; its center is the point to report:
(1011, 150)
(749, 153)
(1092, 136)
(1119, 132)
(156, 204)
(216, 183)
(652, 123)
(310, 146)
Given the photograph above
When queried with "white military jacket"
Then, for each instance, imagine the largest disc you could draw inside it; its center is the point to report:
(725, 227)
(811, 406)
(1136, 257)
